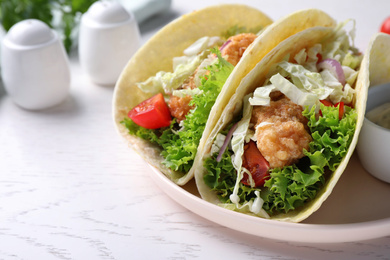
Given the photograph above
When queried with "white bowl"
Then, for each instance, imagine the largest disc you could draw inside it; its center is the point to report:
(374, 141)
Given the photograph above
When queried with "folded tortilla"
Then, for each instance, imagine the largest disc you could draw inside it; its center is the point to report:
(379, 57)
(156, 55)
(255, 78)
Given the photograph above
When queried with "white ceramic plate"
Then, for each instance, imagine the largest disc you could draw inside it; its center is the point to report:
(357, 209)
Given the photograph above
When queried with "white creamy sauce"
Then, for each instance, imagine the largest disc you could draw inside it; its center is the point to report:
(380, 115)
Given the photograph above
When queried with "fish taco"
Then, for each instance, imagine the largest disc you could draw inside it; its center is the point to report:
(164, 99)
(286, 135)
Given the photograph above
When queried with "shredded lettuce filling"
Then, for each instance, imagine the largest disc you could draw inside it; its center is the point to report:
(292, 186)
(167, 82)
(179, 143)
(195, 56)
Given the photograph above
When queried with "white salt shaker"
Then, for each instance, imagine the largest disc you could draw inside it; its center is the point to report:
(109, 36)
(34, 65)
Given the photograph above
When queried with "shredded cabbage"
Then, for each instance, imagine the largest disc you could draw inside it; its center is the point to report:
(202, 44)
(183, 67)
(303, 84)
(218, 143)
(309, 58)
(238, 141)
(295, 94)
(254, 206)
(304, 79)
(339, 47)
(166, 82)
(340, 92)
(261, 96)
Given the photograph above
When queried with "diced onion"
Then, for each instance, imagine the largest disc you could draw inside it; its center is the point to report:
(334, 67)
(227, 140)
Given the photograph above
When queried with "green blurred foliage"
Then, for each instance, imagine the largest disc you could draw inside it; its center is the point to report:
(69, 11)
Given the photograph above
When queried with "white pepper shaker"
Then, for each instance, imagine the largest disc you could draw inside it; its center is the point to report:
(109, 36)
(34, 65)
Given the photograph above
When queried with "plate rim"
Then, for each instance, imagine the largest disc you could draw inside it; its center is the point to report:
(273, 229)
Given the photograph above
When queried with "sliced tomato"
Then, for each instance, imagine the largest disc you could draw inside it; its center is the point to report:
(152, 113)
(385, 28)
(341, 109)
(319, 57)
(254, 162)
(326, 103)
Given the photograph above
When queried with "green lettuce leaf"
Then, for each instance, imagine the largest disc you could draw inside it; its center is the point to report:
(147, 134)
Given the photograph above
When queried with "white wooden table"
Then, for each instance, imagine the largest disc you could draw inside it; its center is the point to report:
(71, 189)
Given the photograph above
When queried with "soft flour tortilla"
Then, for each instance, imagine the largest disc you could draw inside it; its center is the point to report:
(156, 55)
(379, 59)
(256, 78)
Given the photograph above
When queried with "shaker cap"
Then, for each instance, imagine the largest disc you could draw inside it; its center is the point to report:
(30, 32)
(108, 12)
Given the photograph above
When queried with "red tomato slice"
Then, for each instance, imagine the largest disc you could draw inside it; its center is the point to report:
(152, 113)
(254, 161)
(385, 28)
(341, 109)
(319, 57)
(327, 103)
